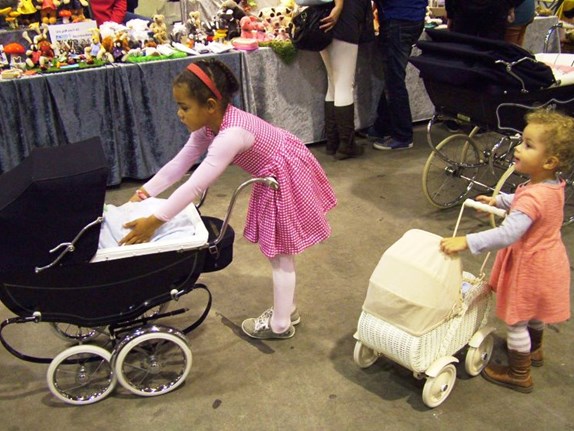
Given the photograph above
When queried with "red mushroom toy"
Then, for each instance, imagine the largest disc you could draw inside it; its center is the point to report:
(14, 49)
(65, 14)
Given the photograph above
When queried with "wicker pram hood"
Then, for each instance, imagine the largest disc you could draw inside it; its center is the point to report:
(415, 286)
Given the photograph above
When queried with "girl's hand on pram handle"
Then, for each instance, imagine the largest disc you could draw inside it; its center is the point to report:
(453, 245)
(142, 229)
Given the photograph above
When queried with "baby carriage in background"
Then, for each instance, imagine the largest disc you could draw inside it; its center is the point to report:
(487, 86)
(51, 270)
(421, 309)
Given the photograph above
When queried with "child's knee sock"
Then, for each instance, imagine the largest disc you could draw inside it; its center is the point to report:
(283, 291)
(518, 338)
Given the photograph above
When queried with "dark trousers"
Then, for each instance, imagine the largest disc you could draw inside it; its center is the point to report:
(396, 41)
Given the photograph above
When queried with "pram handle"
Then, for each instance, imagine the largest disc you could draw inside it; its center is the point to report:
(268, 181)
(484, 207)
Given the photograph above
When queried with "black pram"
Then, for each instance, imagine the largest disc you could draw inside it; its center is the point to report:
(488, 83)
(52, 271)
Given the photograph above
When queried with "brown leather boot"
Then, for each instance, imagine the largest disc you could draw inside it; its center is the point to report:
(515, 376)
(345, 117)
(536, 356)
(331, 130)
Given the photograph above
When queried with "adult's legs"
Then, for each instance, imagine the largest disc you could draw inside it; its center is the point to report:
(340, 59)
(394, 113)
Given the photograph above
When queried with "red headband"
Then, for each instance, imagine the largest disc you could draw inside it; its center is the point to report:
(196, 70)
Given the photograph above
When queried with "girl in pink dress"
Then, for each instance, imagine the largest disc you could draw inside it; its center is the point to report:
(531, 273)
(283, 222)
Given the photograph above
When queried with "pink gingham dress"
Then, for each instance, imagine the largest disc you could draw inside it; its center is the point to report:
(284, 221)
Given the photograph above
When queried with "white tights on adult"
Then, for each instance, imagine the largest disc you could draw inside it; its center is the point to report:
(283, 266)
(340, 59)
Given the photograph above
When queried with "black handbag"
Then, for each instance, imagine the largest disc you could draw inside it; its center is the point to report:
(305, 32)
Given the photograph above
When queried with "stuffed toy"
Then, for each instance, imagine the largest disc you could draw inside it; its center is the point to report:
(48, 10)
(41, 51)
(158, 28)
(76, 7)
(252, 28)
(27, 12)
(91, 51)
(227, 18)
(277, 21)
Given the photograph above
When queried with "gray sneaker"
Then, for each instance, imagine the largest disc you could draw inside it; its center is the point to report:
(260, 327)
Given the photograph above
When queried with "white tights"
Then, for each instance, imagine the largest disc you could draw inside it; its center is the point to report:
(517, 336)
(340, 59)
(283, 266)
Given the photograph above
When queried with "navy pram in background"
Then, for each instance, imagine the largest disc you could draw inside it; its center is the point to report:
(468, 78)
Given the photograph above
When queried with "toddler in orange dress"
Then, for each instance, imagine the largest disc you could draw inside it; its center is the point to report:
(531, 273)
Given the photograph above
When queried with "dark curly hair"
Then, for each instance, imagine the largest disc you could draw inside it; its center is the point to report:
(223, 78)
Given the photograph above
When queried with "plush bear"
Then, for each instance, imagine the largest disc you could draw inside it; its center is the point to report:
(159, 29)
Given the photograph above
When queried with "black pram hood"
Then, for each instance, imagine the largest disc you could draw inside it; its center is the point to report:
(468, 61)
(47, 200)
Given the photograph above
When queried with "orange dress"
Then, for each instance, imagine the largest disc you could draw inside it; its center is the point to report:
(532, 276)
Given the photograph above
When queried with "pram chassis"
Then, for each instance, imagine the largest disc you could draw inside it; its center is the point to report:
(146, 358)
(489, 86)
(430, 356)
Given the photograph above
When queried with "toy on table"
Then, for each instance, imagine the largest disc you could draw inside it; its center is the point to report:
(40, 52)
(48, 10)
(158, 28)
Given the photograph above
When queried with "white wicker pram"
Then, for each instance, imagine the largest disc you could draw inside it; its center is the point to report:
(421, 324)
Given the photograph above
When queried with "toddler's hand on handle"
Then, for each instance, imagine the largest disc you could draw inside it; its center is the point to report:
(453, 245)
(488, 200)
(142, 229)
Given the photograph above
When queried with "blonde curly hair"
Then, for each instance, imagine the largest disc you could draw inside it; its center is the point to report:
(558, 136)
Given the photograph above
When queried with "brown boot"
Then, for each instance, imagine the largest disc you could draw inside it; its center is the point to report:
(515, 376)
(331, 130)
(536, 356)
(345, 117)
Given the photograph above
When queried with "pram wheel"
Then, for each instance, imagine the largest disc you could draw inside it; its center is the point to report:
(477, 357)
(450, 170)
(81, 375)
(74, 333)
(364, 356)
(437, 389)
(152, 360)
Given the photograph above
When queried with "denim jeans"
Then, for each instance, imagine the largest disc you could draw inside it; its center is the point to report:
(396, 41)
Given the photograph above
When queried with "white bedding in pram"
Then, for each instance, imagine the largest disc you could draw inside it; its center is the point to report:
(562, 66)
(185, 231)
(415, 286)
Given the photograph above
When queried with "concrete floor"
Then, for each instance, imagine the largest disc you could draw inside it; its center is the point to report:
(309, 382)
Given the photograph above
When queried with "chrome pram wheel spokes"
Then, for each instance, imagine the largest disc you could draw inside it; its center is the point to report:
(74, 333)
(477, 357)
(437, 389)
(81, 375)
(450, 170)
(152, 360)
(364, 356)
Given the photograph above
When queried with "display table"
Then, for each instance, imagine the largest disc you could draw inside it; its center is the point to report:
(129, 106)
